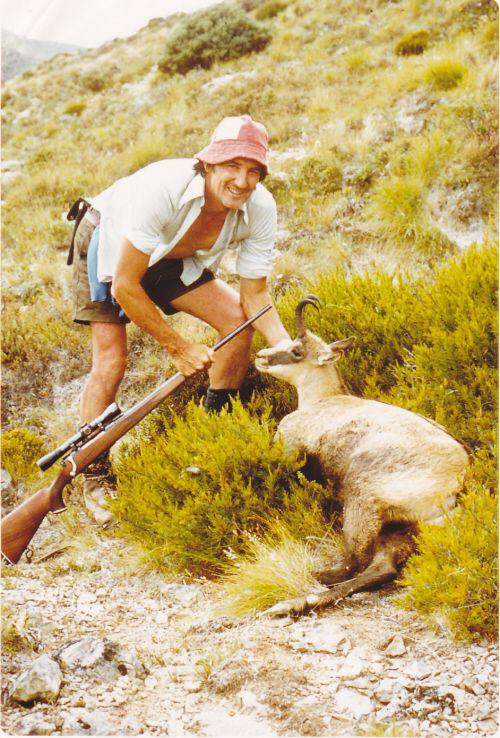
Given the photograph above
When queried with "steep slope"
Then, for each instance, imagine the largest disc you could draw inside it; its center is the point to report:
(380, 155)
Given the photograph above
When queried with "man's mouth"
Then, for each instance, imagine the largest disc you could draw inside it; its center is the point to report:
(235, 192)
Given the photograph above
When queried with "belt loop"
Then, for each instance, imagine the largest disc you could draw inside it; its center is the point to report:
(76, 213)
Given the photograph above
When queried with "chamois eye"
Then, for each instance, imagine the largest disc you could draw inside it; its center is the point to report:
(297, 352)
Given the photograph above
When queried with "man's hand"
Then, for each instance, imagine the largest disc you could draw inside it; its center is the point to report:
(190, 358)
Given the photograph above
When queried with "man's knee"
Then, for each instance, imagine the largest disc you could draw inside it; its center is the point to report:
(232, 318)
(109, 366)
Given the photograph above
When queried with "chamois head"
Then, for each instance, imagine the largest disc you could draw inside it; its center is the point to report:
(292, 361)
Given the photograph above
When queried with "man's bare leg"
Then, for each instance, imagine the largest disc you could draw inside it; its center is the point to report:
(109, 361)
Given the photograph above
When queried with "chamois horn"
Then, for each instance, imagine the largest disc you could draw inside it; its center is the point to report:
(299, 312)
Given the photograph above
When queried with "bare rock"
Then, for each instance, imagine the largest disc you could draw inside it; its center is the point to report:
(386, 690)
(418, 670)
(353, 702)
(35, 725)
(183, 594)
(108, 660)
(353, 666)
(87, 722)
(396, 647)
(488, 726)
(5, 480)
(42, 681)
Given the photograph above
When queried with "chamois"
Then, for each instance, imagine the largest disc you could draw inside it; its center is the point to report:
(389, 467)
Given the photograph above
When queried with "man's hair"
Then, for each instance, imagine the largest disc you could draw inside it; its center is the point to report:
(200, 169)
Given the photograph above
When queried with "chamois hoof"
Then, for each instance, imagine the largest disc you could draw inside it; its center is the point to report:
(290, 607)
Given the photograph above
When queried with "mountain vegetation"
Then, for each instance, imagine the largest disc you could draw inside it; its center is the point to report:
(384, 164)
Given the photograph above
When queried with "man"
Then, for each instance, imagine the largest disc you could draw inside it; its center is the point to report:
(155, 239)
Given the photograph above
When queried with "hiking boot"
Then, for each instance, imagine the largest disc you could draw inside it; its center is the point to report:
(98, 489)
(217, 400)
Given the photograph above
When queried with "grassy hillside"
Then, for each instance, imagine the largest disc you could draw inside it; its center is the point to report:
(379, 157)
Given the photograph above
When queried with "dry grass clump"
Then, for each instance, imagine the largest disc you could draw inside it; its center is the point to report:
(445, 73)
(276, 567)
(412, 43)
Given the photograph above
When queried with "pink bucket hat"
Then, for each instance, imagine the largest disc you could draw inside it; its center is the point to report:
(235, 136)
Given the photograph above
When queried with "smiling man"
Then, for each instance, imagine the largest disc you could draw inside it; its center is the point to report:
(154, 240)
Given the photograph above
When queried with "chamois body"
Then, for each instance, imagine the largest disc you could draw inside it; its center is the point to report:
(390, 468)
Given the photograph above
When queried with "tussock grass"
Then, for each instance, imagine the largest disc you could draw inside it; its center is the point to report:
(398, 203)
(445, 73)
(15, 634)
(276, 567)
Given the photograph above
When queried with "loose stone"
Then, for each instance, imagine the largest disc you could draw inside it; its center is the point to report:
(42, 681)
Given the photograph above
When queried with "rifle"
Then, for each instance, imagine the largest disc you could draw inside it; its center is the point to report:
(20, 525)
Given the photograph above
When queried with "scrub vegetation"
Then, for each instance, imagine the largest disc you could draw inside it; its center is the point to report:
(384, 164)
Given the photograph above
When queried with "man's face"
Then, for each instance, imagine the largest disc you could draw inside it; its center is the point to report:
(230, 184)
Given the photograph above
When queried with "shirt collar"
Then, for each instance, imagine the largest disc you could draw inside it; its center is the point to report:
(196, 189)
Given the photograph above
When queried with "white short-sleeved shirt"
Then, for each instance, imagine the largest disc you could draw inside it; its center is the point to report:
(154, 207)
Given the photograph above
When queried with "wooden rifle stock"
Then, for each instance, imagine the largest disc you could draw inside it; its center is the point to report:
(20, 525)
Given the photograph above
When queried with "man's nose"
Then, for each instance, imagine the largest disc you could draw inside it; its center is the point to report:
(241, 180)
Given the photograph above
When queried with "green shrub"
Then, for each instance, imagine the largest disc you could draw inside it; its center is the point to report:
(413, 43)
(270, 9)
(75, 107)
(20, 450)
(189, 488)
(318, 177)
(219, 33)
(454, 577)
(450, 371)
(94, 81)
(444, 73)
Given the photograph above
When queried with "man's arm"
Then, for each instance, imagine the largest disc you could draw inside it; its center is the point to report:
(131, 296)
(255, 295)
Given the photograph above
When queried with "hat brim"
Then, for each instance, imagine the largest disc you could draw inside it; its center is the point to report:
(221, 151)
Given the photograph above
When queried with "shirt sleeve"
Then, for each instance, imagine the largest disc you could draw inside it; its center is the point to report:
(257, 253)
(147, 210)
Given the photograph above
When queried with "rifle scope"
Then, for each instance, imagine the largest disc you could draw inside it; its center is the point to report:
(85, 433)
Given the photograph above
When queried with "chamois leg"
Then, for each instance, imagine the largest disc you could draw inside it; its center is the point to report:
(393, 547)
(362, 525)
(381, 570)
(337, 572)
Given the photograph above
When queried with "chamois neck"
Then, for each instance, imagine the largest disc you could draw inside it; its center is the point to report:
(318, 383)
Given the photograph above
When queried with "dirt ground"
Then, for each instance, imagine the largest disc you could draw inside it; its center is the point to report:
(364, 668)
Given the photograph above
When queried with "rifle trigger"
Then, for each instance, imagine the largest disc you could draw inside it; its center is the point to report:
(74, 470)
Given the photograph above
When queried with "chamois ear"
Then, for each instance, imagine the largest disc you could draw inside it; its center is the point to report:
(337, 348)
(342, 345)
(328, 357)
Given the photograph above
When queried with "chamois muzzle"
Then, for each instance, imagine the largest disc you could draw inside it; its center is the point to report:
(299, 313)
